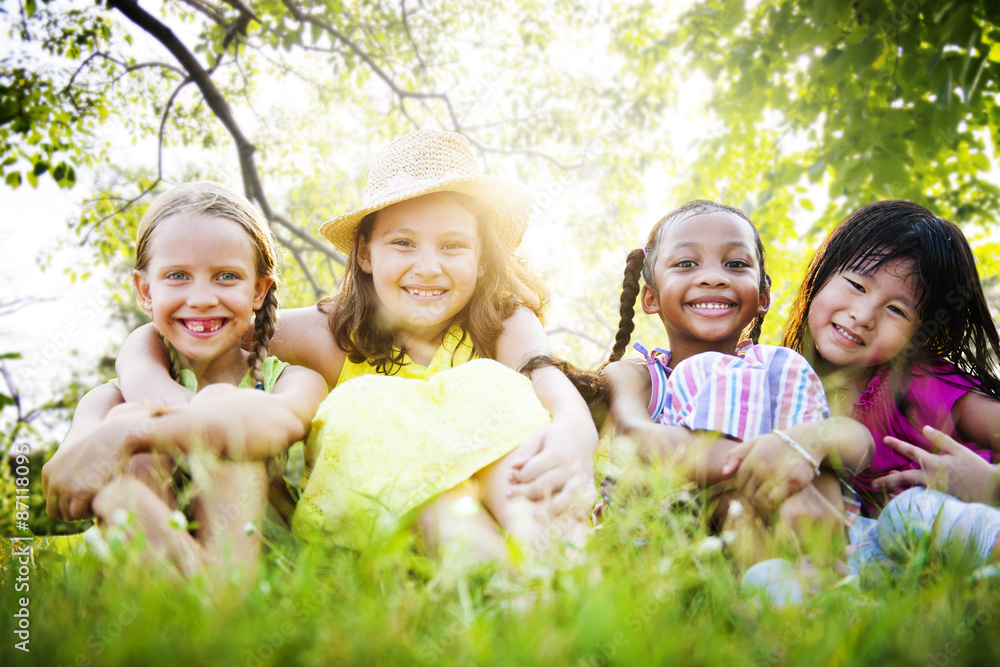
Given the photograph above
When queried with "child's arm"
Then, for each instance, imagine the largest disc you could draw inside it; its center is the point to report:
(143, 369)
(92, 409)
(302, 337)
(557, 459)
(769, 470)
(955, 468)
(235, 423)
(702, 456)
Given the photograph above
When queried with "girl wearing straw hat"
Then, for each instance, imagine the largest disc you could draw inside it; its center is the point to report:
(423, 421)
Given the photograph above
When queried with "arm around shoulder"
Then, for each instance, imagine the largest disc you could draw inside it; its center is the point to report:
(143, 369)
(302, 337)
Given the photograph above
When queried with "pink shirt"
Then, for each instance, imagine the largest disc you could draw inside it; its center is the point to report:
(931, 399)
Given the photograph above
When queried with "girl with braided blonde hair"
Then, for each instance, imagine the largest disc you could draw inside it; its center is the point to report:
(205, 265)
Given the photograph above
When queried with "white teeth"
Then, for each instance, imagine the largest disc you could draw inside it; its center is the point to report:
(420, 292)
(199, 327)
(848, 335)
(712, 306)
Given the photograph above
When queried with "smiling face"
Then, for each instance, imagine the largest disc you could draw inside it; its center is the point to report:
(862, 320)
(201, 288)
(424, 259)
(706, 283)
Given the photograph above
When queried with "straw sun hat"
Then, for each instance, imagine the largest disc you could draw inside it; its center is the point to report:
(426, 161)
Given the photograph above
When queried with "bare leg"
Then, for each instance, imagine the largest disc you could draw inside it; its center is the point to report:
(152, 517)
(528, 522)
(153, 470)
(456, 521)
(228, 496)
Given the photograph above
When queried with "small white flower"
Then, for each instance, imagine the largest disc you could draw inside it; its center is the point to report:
(665, 565)
(735, 509)
(728, 536)
(265, 587)
(178, 521)
(95, 544)
(709, 545)
(120, 517)
(250, 526)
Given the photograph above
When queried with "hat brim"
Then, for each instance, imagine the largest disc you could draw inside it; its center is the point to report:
(507, 201)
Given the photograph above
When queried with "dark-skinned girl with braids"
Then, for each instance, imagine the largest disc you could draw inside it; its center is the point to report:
(752, 419)
(205, 264)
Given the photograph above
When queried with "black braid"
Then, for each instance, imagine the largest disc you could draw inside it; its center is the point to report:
(590, 384)
(263, 330)
(630, 290)
(758, 322)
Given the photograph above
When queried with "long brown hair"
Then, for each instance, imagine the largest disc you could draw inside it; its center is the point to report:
(207, 199)
(506, 284)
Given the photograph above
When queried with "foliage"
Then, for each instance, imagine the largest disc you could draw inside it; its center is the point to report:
(846, 102)
(650, 589)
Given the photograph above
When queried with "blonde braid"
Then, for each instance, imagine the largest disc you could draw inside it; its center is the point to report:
(175, 358)
(263, 330)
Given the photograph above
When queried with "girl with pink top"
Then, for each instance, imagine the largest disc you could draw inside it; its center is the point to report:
(892, 315)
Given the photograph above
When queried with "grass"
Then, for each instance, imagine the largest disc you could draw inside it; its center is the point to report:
(649, 590)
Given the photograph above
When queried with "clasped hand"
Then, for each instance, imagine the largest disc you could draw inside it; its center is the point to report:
(767, 471)
(557, 462)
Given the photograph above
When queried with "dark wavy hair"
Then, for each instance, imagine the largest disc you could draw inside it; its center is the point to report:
(956, 324)
(506, 284)
(640, 262)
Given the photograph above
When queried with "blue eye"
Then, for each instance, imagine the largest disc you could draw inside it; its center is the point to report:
(175, 275)
(228, 275)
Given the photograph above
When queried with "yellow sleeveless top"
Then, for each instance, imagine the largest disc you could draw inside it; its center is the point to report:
(453, 351)
(382, 446)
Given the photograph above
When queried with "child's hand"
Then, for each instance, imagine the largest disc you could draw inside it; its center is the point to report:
(954, 469)
(768, 471)
(557, 462)
(75, 474)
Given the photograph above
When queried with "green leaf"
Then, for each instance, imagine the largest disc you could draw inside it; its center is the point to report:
(980, 161)
(13, 180)
(10, 355)
(945, 91)
(5, 400)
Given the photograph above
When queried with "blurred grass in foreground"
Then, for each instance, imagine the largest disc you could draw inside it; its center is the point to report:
(650, 590)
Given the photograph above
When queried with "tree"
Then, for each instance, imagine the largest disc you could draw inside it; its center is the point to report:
(812, 103)
(851, 100)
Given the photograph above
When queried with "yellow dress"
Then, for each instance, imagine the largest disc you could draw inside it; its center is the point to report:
(383, 445)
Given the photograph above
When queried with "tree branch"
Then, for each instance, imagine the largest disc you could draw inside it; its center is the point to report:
(204, 8)
(297, 254)
(252, 185)
(401, 93)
